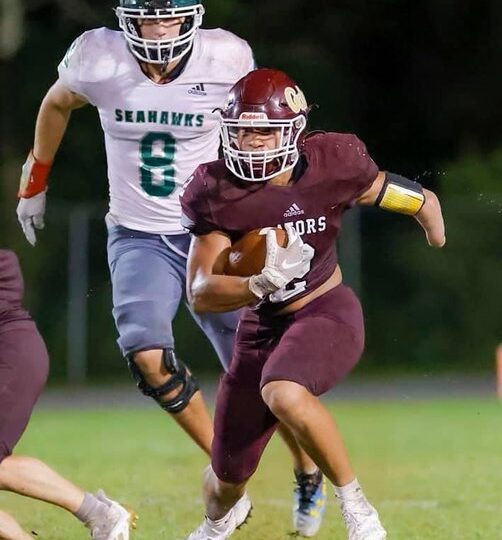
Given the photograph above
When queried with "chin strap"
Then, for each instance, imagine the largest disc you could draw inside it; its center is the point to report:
(176, 72)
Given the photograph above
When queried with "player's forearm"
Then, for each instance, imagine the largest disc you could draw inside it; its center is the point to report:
(430, 218)
(50, 128)
(216, 293)
(52, 120)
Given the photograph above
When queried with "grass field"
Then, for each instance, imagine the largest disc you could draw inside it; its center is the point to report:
(433, 469)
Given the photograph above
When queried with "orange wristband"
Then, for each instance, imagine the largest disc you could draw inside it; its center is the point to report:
(33, 177)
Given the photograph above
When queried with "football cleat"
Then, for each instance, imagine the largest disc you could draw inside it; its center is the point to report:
(360, 518)
(116, 524)
(310, 503)
(226, 526)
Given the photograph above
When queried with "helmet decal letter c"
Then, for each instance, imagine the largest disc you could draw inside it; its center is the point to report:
(295, 99)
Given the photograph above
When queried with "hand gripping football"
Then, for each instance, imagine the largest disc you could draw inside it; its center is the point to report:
(247, 256)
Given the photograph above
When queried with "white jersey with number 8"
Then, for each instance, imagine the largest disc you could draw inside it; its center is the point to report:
(155, 134)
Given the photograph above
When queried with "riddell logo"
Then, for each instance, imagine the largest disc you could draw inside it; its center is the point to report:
(253, 116)
(198, 90)
(293, 210)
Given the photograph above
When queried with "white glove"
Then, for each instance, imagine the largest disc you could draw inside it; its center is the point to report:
(30, 214)
(282, 265)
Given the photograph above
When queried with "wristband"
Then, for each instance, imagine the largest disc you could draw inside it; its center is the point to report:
(33, 177)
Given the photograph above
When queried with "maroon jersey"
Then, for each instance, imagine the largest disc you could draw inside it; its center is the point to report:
(11, 288)
(333, 171)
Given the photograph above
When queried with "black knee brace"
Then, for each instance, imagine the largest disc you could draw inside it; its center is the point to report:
(180, 378)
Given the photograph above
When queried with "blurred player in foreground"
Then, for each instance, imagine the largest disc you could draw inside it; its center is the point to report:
(24, 366)
(302, 331)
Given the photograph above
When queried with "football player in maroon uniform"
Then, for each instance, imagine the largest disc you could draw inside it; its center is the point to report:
(302, 331)
(24, 365)
(161, 57)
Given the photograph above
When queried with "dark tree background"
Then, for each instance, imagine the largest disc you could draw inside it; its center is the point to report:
(418, 81)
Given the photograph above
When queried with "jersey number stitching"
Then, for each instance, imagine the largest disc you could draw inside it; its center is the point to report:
(156, 170)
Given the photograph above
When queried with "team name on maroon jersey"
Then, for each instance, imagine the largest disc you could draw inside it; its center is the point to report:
(333, 171)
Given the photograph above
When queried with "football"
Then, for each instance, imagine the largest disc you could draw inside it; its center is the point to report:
(247, 255)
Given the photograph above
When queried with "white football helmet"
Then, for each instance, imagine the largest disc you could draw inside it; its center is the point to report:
(130, 12)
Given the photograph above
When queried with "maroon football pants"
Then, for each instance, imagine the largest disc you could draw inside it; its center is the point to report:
(24, 366)
(316, 347)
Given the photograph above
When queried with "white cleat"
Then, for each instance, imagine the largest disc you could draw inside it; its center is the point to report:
(117, 523)
(360, 518)
(223, 528)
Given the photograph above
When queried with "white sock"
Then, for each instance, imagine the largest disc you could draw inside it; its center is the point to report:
(225, 518)
(348, 490)
(221, 521)
(91, 510)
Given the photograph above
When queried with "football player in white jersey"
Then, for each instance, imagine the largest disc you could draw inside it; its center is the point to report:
(156, 84)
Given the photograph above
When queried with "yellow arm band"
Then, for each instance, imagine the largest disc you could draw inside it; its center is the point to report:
(401, 195)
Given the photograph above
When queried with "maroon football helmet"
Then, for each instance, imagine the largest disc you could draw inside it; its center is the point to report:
(264, 98)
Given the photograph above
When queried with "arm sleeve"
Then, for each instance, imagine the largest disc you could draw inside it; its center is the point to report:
(72, 66)
(195, 210)
(353, 167)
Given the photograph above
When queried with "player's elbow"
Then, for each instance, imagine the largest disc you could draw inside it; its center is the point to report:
(194, 298)
(204, 301)
(432, 206)
(431, 197)
(198, 304)
(62, 100)
(197, 296)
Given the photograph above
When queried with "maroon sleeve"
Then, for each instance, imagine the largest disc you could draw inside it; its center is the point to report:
(195, 210)
(11, 288)
(352, 168)
(11, 280)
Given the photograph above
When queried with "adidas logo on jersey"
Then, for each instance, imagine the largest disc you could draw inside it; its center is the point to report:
(293, 210)
(198, 90)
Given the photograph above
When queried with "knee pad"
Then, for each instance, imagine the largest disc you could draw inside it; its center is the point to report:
(180, 377)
